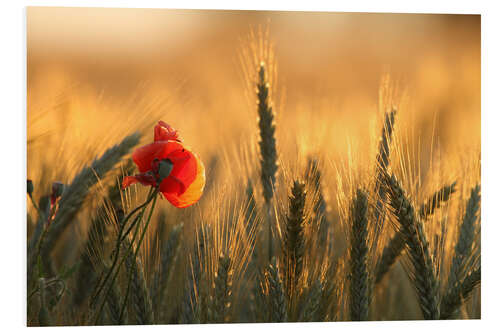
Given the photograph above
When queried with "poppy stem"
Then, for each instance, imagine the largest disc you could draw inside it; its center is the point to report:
(46, 227)
(135, 254)
(132, 225)
(118, 244)
(33, 202)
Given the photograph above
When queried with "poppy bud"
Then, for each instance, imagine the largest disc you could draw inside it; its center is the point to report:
(165, 168)
(30, 187)
(57, 191)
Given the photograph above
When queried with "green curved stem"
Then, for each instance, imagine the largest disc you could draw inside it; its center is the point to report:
(115, 267)
(135, 256)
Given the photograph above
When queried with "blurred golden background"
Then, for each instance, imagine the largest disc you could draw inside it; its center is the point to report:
(95, 75)
(104, 67)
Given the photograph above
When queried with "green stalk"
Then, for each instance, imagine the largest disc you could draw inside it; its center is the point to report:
(120, 239)
(136, 252)
(139, 217)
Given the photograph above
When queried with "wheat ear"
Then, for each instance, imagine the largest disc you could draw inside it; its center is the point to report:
(311, 308)
(397, 243)
(463, 248)
(251, 209)
(423, 272)
(222, 290)
(113, 306)
(96, 234)
(74, 195)
(267, 143)
(436, 200)
(293, 243)
(277, 297)
(169, 252)
(190, 302)
(139, 293)
(358, 292)
(268, 154)
(457, 295)
(383, 163)
(313, 174)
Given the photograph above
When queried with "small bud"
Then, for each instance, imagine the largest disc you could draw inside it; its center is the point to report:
(165, 167)
(30, 187)
(57, 191)
(57, 188)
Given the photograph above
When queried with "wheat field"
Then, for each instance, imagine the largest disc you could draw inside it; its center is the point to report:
(341, 157)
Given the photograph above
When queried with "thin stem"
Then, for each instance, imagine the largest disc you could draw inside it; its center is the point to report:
(139, 217)
(42, 238)
(120, 240)
(34, 204)
(135, 255)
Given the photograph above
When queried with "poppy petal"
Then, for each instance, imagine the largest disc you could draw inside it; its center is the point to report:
(145, 155)
(146, 179)
(129, 180)
(194, 190)
(165, 132)
(183, 172)
(185, 167)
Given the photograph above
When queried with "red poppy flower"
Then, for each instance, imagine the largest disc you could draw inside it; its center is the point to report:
(183, 186)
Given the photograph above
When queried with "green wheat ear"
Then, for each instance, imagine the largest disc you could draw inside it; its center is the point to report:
(222, 290)
(313, 175)
(459, 293)
(267, 143)
(422, 272)
(359, 284)
(95, 242)
(278, 311)
(294, 241)
(463, 247)
(268, 154)
(139, 293)
(74, 195)
(396, 244)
